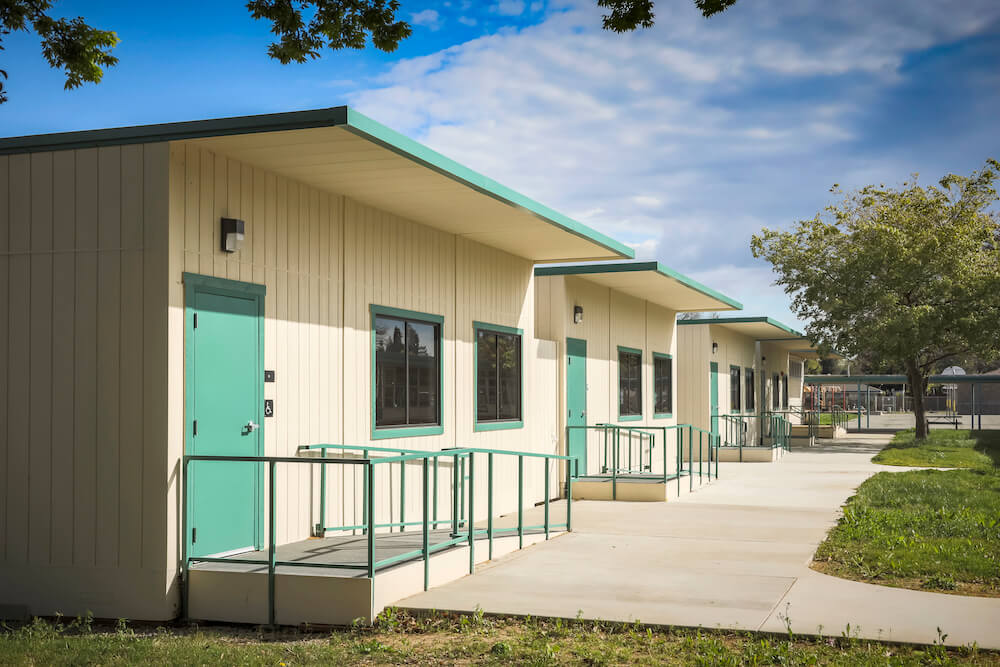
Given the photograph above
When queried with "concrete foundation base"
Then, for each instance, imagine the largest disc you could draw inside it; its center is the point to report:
(750, 454)
(625, 489)
(237, 593)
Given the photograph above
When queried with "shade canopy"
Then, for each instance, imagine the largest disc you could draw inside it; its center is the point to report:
(344, 152)
(651, 281)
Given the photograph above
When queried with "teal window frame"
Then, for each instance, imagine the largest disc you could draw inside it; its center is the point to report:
(735, 406)
(663, 415)
(629, 417)
(386, 432)
(749, 393)
(494, 424)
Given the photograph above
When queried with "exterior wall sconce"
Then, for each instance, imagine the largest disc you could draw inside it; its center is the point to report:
(232, 234)
(715, 347)
(577, 314)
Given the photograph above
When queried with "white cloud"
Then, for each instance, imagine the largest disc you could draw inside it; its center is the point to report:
(427, 17)
(467, 20)
(537, 6)
(509, 7)
(671, 139)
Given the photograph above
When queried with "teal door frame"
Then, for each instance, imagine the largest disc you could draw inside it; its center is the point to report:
(576, 400)
(193, 285)
(713, 395)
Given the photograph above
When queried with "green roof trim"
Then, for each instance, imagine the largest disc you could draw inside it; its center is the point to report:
(621, 267)
(350, 119)
(747, 320)
(191, 129)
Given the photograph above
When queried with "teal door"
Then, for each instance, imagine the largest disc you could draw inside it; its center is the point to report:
(713, 394)
(576, 399)
(224, 391)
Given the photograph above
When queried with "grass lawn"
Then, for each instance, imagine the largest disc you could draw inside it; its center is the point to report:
(928, 529)
(448, 639)
(943, 449)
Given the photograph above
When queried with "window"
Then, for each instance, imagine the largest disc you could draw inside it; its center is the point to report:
(498, 377)
(407, 373)
(629, 383)
(734, 388)
(663, 382)
(776, 391)
(784, 391)
(751, 399)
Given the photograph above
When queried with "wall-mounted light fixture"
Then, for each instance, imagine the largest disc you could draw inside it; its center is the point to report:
(715, 347)
(232, 234)
(577, 314)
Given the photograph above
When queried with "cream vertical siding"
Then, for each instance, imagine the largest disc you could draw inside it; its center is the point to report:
(610, 319)
(695, 346)
(325, 260)
(93, 247)
(82, 378)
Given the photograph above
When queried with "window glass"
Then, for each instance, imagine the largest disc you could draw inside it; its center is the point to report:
(751, 399)
(784, 392)
(663, 371)
(407, 372)
(775, 390)
(734, 388)
(629, 383)
(498, 376)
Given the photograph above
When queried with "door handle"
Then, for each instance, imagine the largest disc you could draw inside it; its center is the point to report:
(251, 426)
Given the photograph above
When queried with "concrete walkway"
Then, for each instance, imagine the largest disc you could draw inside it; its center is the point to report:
(733, 555)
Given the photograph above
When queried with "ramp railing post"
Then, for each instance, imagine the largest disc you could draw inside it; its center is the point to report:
(321, 529)
(402, 496)
(520, 502)
(489, 502)
(545, 462)
(472, 514)
(426, 537)
(569, 495)
(454, 495)
(364, 492)
(271, 539)
(370, 492)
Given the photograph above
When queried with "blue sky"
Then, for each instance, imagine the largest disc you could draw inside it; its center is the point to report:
(682, 140)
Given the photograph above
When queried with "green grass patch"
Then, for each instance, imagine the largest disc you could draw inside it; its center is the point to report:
(943, 449)
(399, 638)
(925, 529)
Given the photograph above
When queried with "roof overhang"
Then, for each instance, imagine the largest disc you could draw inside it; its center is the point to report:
(800, 347)
(340, 150)
(651, 281)
(758, 328)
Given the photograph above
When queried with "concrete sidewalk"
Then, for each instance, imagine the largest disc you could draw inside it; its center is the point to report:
(735, 554)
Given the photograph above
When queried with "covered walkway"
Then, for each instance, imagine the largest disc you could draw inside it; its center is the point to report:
(734, 555)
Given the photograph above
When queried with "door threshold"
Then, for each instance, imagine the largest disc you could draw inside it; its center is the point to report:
(231, 552)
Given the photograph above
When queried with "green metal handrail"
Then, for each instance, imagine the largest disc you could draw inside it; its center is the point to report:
(369, 525)
(773, 427)
(616, 464)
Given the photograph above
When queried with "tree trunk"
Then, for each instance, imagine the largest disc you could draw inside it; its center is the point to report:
(918, 384)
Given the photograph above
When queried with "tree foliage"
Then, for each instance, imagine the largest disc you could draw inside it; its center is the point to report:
(303, 27)
(910, 276)
(80, 50)
(629, 15)
(335, 24)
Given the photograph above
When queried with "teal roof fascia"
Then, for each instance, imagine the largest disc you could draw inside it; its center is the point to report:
(621, 267)
(353, 121)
